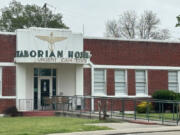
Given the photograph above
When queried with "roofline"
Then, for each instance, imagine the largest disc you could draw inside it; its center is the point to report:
(7, 33)
(110, 38)
(41, 28)
(132, 40)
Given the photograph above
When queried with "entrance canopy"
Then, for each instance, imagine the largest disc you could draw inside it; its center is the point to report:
(49, 62)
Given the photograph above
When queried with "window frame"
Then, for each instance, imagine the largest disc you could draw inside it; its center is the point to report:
(145, 83)
(125, 83)
(105, 82)
(172, 82)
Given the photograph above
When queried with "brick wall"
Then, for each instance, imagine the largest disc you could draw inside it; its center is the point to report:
(7, 48)
(87, 82)
(105, 52)
(131, 82)
(110, 82)
(9, 81)
(115, 52)
(6, 103)
(157, 80)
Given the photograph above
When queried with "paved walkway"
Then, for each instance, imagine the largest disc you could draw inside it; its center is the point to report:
(127, 128)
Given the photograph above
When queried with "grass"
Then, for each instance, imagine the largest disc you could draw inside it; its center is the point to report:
(155, 116)
(45, 125)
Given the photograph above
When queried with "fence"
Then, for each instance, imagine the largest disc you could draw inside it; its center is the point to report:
(161, 111)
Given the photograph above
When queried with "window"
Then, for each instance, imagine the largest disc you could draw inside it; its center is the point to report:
(0, 81)
(173, 81)
(141, 82)
(99, 82)
(120, 82)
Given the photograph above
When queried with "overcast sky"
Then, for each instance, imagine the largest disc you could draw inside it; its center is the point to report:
(94, 13)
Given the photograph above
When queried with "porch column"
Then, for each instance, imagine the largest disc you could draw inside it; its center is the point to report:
(20, 84)
(92, 88)
(79, 80)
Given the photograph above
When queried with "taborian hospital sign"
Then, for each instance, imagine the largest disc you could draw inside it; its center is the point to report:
(45, 46)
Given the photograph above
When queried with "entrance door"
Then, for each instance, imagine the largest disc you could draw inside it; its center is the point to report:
(45, 88)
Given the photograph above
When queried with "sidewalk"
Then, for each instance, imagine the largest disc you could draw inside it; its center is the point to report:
(125, 128)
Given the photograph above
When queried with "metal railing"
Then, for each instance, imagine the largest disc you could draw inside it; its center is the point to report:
(160, 111)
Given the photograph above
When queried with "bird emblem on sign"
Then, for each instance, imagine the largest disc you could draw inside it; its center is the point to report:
(51, 40)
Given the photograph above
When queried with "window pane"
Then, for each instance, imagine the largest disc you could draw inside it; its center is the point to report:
(140, 88)
(172, 76)
(120, 82)
(45, 72)
(35, 92)
(99, 75)
(140, 82)
(140, 76)
(99, 92)
(35, 84)
(54, 72)
(54, 86)
(120, 85)
(98, 86)
(99, 81)
(173, 81)
(119, 76)
(120, 88)
(35, 71)
(173, 87)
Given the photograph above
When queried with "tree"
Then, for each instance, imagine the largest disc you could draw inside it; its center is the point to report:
(147, 24)
(17, 16)
(161, 34)
(130, 26)
(112, 29)
(127, 24)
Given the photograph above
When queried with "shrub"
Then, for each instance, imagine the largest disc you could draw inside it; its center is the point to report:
(143, 106)
(165, 95)
(11, 111)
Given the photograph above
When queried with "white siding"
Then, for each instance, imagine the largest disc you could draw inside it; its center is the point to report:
(99, 82)
(173, 81)
(120, 82)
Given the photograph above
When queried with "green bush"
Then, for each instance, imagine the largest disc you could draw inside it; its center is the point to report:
(144, 106)
(164, 95)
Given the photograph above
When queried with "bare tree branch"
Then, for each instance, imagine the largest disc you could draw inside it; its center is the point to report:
(147, 23)
(160, 34)
(127, 24)
(112, 29)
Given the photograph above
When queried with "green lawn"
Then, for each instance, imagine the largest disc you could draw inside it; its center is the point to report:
(155, 116)
(45, 125)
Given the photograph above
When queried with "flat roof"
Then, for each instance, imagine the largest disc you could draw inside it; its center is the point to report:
(115, 39)
(133, 40)
(7, 33)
